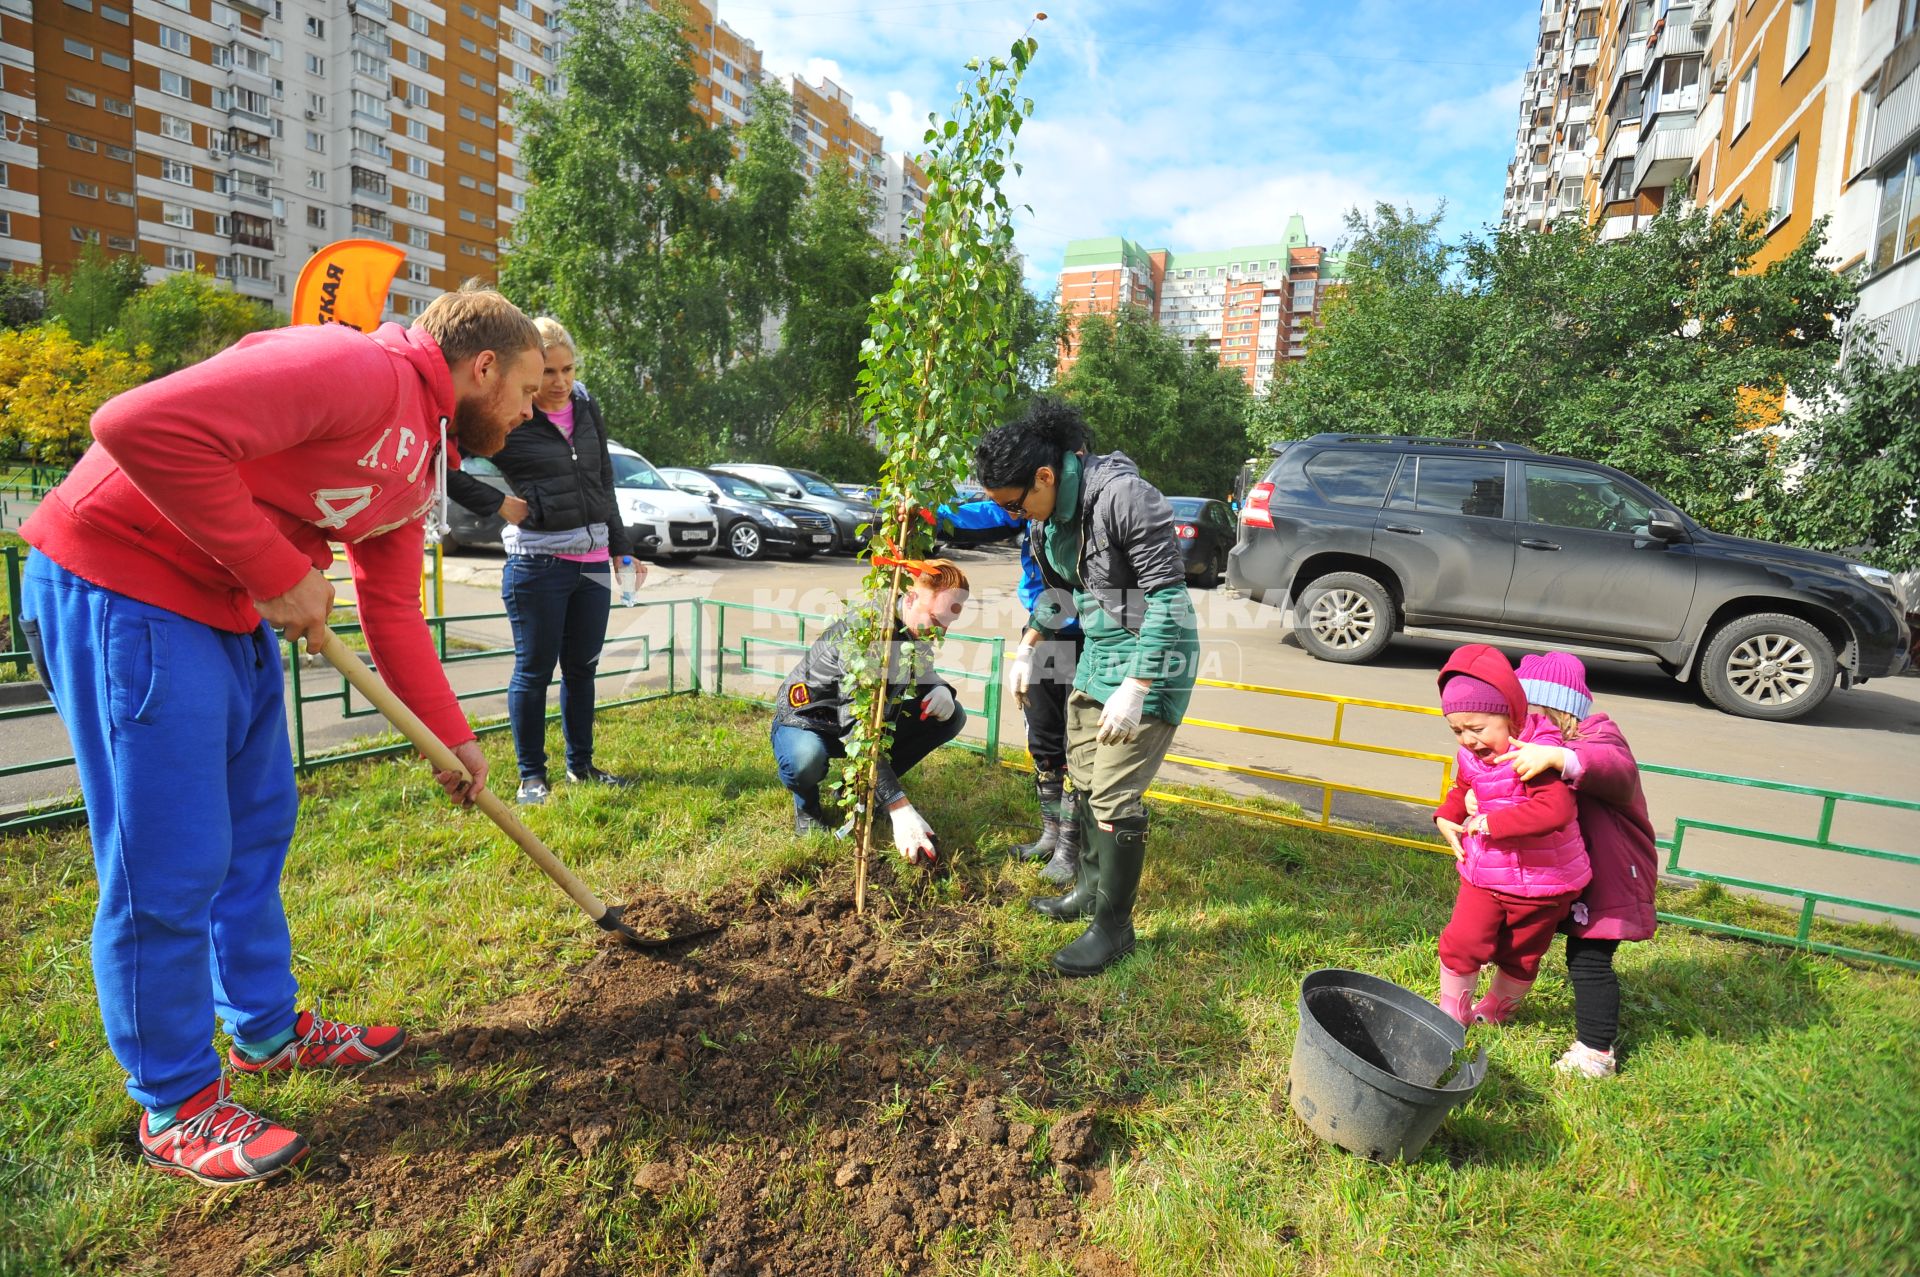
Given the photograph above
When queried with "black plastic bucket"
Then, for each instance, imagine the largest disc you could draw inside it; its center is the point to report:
(1367, 1064)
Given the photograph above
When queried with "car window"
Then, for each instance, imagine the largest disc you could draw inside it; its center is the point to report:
(819, 487)
(480, 466)
(1565, 497)
(1462, 485)
(634, 472)
(1187, 508)
(1353, 478)
(745, 489)
(1217, 515)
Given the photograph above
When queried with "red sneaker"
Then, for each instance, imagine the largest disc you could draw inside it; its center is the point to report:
(217, 1142)
(327, 1044)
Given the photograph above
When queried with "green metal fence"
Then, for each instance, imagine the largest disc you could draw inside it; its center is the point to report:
(742, 655)
(13, 560)
(1831, 801)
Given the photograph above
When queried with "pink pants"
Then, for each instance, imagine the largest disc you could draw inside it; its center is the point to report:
(1512, 932)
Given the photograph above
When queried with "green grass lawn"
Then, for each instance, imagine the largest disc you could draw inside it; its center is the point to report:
(1767, 1120)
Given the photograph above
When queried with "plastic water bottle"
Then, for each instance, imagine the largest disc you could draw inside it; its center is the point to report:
(627, 578)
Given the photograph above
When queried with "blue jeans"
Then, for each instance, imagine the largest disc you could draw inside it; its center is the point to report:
(559, 610)
(179, 734)
(802, 756)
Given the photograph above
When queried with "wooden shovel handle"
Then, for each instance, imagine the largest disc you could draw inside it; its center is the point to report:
(381, 697)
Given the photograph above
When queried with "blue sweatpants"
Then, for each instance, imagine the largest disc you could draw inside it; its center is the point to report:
(179, 733)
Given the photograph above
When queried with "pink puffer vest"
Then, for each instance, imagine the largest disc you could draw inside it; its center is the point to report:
(1546, 865)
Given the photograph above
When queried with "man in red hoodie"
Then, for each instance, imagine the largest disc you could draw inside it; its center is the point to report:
(196, 526)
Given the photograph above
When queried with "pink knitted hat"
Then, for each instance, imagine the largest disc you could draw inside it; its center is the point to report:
(1558, 681)
(1465, 694)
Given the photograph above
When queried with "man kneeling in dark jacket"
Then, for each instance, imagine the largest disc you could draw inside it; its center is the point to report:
(813, 714)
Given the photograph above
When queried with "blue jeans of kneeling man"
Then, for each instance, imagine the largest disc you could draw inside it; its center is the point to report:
(802, 754)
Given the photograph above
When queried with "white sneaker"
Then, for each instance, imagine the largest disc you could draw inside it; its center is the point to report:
(1584, 1060)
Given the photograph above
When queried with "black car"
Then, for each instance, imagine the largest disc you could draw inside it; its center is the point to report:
(467, 528)
(1206, 534)
(1365, 536)
(752, 522)
(804, 487)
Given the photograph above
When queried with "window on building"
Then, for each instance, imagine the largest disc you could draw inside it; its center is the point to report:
(175, 171)
(467, 182)
(78, 48)
(417, 22)
(417, 130)
(417, 59)
(1897, 228)
(1799, 32)
(316, 26)
(114, 106)
(177, 215)
(108, 58)
(419, 273)
(469, 81)
(418, 167)
(316, 180)
(85, 190)
(316, 65)
(79, 143)
(469, 148)
(77, 94)
(112, 14)
(6, 225)
(1780, 195)
(317, 218)
(417, 237)
(417, 95)
(173, 126)
(1743, 99)
(316, 141)
(176, 40)
(123, 198)
(179, 258)
(173, 84)
(417, 202)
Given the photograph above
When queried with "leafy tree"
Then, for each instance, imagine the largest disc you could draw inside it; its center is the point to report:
(938, 369)
(1663, 353)
(1180, 416)
(1856, 464)
(22, 299)
(50, 385)
(89, 298)
(185, 318)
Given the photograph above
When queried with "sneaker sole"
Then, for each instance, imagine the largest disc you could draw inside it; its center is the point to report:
(174, 1168)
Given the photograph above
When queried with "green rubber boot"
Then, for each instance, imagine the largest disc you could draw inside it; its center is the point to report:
(1122, 851)
(1078, 902)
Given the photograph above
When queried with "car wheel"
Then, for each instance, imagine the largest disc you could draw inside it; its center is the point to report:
(1219, 577)
(745, 542)
(1768, 666)
(1345, 617)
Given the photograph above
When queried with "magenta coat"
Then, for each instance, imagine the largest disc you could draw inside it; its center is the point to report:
(1618, 903)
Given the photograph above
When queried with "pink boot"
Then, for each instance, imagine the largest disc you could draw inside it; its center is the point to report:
(1456, 993)
(1504, 996)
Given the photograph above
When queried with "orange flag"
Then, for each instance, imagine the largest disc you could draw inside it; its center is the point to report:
(346, 283)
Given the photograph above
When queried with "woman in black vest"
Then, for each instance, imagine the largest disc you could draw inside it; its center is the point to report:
(563, 536)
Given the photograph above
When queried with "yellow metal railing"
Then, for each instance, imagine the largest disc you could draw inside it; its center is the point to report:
(1328, 788)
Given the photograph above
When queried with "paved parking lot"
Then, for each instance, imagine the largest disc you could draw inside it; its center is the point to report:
(1863, 740)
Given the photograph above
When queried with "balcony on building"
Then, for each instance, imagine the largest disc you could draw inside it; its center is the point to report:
(1550, 19)
(1678, 37)
(1573, 167)
(252, 232)
(368, 181)
(372, 221)
(1586, 51)
(255, 148)
(1664, 154)
(1536, 214)
(1580, 107)
(250, 109)
(370, 36)
(245, 188)
(245, 63)
(1618, 227)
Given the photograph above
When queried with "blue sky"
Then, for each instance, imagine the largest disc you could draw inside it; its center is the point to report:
(1194, 125)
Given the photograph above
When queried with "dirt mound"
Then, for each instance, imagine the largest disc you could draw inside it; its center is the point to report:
(792, 1096)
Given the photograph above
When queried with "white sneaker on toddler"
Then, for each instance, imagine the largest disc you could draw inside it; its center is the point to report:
(1584, 1060)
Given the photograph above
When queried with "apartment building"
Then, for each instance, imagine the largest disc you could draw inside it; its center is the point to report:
(1252, 305)
(238, 137)
(1794, 109)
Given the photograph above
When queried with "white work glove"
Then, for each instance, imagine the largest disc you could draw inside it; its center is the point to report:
(937, 704)
(912, 835)
(1120, 717)
(1020, 674)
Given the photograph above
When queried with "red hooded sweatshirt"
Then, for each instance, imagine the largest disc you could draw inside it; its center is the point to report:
(225, 482)
(1550, 804)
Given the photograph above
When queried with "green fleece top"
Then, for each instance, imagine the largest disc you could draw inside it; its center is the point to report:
(1166, 651)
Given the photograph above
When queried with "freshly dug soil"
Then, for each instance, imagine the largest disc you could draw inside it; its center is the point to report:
(791, 1096)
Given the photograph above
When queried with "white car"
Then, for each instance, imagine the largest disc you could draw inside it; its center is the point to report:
(666, 523)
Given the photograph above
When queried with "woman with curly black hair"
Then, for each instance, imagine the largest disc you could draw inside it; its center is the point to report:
(1105, 546)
